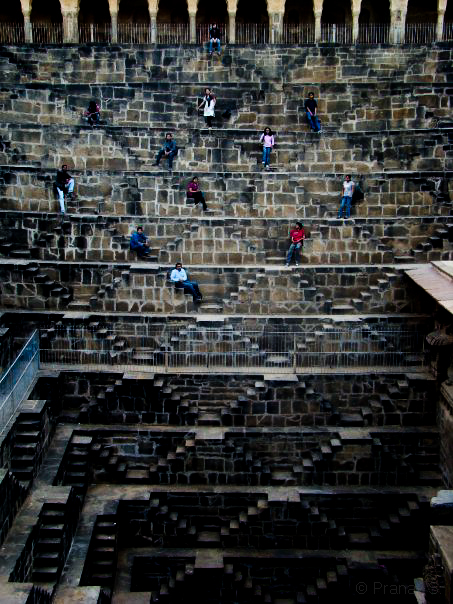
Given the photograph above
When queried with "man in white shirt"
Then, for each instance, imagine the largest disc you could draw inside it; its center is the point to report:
(180, 279)
(346, 197)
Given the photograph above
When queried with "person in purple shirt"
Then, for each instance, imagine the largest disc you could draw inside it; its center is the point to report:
(194, 192)
(267, 140)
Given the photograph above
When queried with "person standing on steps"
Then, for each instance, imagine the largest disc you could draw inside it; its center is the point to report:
(214, 38)
(346, 196)
(267, 140)
(297, 237)
(180, 279)
(169, 150)
(208, 104)
(194, 192)
(139, 243)
(311, 109)
(65, 186)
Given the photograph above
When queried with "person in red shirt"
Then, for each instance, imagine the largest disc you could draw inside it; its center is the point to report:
(297, 236)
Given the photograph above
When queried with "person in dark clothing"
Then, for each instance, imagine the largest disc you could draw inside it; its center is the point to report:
(208, 103)
(93, 113)
(311, 109)
(139, 243)
(65, 186)
(193, 192)
(214, 38)
(169, 150)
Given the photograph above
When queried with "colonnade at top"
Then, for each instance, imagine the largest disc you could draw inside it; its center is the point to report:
(273, 13)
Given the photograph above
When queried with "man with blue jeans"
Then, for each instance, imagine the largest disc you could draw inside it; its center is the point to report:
(297, 236)
(214, 38)
(346, 198)
(169, 150)
(311, 109)
(180, 279)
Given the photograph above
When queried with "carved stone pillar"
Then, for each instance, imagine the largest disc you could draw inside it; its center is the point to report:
(232, 27)
(355, 26)
(114, 18)
(397, 26)
(28, 35)
(318, 14)
(153, 28)
(70, 29)
(193, 28)
(440, 24)
(275, 27)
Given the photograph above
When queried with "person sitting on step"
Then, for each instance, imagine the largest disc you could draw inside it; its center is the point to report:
(139, 243)
(267, 140)
(168, 151)
(208, 104)
(65, 186)
(214, 38)
(93, 113)
(297, 236)
(311, 109)
(193, 192)
(180, 279)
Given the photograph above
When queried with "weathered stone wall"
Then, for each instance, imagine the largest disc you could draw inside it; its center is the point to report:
(232, 241)
(229, 194)
(129, 288)
(445, 423)
(116, 64)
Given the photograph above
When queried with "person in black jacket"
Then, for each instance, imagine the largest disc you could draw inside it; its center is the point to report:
(65, 186)
(214, 38)
(169, 150)
(311, 109)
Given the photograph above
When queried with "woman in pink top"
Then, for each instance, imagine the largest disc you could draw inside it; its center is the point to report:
(267, 140)
(194, 192)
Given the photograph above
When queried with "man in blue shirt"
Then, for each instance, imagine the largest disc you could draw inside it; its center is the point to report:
(180, 279)
(139, 243)
(169, 150)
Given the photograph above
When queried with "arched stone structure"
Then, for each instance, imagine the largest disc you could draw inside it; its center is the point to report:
(209, 12)
(11, 12)
(134, 11)
(299, 11)
(374, 11)
(46, 11)
(270, 13)
(421, 11)
(336, 11)
(97, 12)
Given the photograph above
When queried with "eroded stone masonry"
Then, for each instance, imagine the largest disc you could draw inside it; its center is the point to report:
(287, 440)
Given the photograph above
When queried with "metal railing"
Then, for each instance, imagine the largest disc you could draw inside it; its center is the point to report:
(95, 33)
(246, 33)
(47, 33)
(252, 33)
(16, 380)
(298, 33)
(420, 33)
(332, 33)
(173, 33)
(194, 348)
(374, 33)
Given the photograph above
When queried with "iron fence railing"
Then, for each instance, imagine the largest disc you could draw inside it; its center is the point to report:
(246, 33)
(420, 33)
(95, 33)
(173, 33)
(374, 33)
(298, 33)
(252, 33)
(333, 33)
(193, 348)
(47, 33)
(16, 380)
